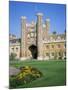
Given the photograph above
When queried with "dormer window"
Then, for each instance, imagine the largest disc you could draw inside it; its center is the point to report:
(58, 37)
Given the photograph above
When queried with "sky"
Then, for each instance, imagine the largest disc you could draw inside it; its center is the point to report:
(55, 12)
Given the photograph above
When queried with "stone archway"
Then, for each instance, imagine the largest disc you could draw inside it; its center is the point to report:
(33, 50)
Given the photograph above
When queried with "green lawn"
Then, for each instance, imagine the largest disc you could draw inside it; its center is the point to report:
(54, 72)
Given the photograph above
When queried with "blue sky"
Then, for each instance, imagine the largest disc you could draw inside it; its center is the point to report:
(56, 13)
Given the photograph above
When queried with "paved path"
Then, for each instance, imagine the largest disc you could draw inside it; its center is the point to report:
(13, 71)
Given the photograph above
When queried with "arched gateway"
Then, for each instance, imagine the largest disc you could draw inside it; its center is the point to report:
(31, 38)
(33, 50)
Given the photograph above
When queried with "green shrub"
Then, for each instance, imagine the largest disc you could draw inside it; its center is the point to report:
(12, 56)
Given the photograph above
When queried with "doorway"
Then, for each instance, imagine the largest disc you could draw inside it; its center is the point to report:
(33, 50)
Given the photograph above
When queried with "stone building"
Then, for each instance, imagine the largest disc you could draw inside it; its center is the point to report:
(36, 42)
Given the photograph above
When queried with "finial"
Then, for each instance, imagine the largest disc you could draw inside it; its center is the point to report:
(48, 20)
(39, 14)
(23, 17)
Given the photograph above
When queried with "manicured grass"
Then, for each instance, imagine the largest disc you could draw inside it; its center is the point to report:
(54, 72)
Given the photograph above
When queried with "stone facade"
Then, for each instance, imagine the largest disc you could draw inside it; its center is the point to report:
(36, 42)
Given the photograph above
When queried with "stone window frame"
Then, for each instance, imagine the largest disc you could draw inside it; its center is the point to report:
(52, 46)
(47, 54)
(59, 45)
(52, 53)
(47, 46)
(32, 34)
(59, 53)
(12, 48)
(16, 48)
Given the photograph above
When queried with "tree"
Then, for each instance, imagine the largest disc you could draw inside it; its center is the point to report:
(54, 32)
(12, 56)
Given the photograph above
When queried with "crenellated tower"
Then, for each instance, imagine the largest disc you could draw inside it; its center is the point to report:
(32, 37)
(47, 24)
(39, 36)
(23, 48)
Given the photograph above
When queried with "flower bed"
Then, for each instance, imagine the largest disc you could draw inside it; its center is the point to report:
(27, 74)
